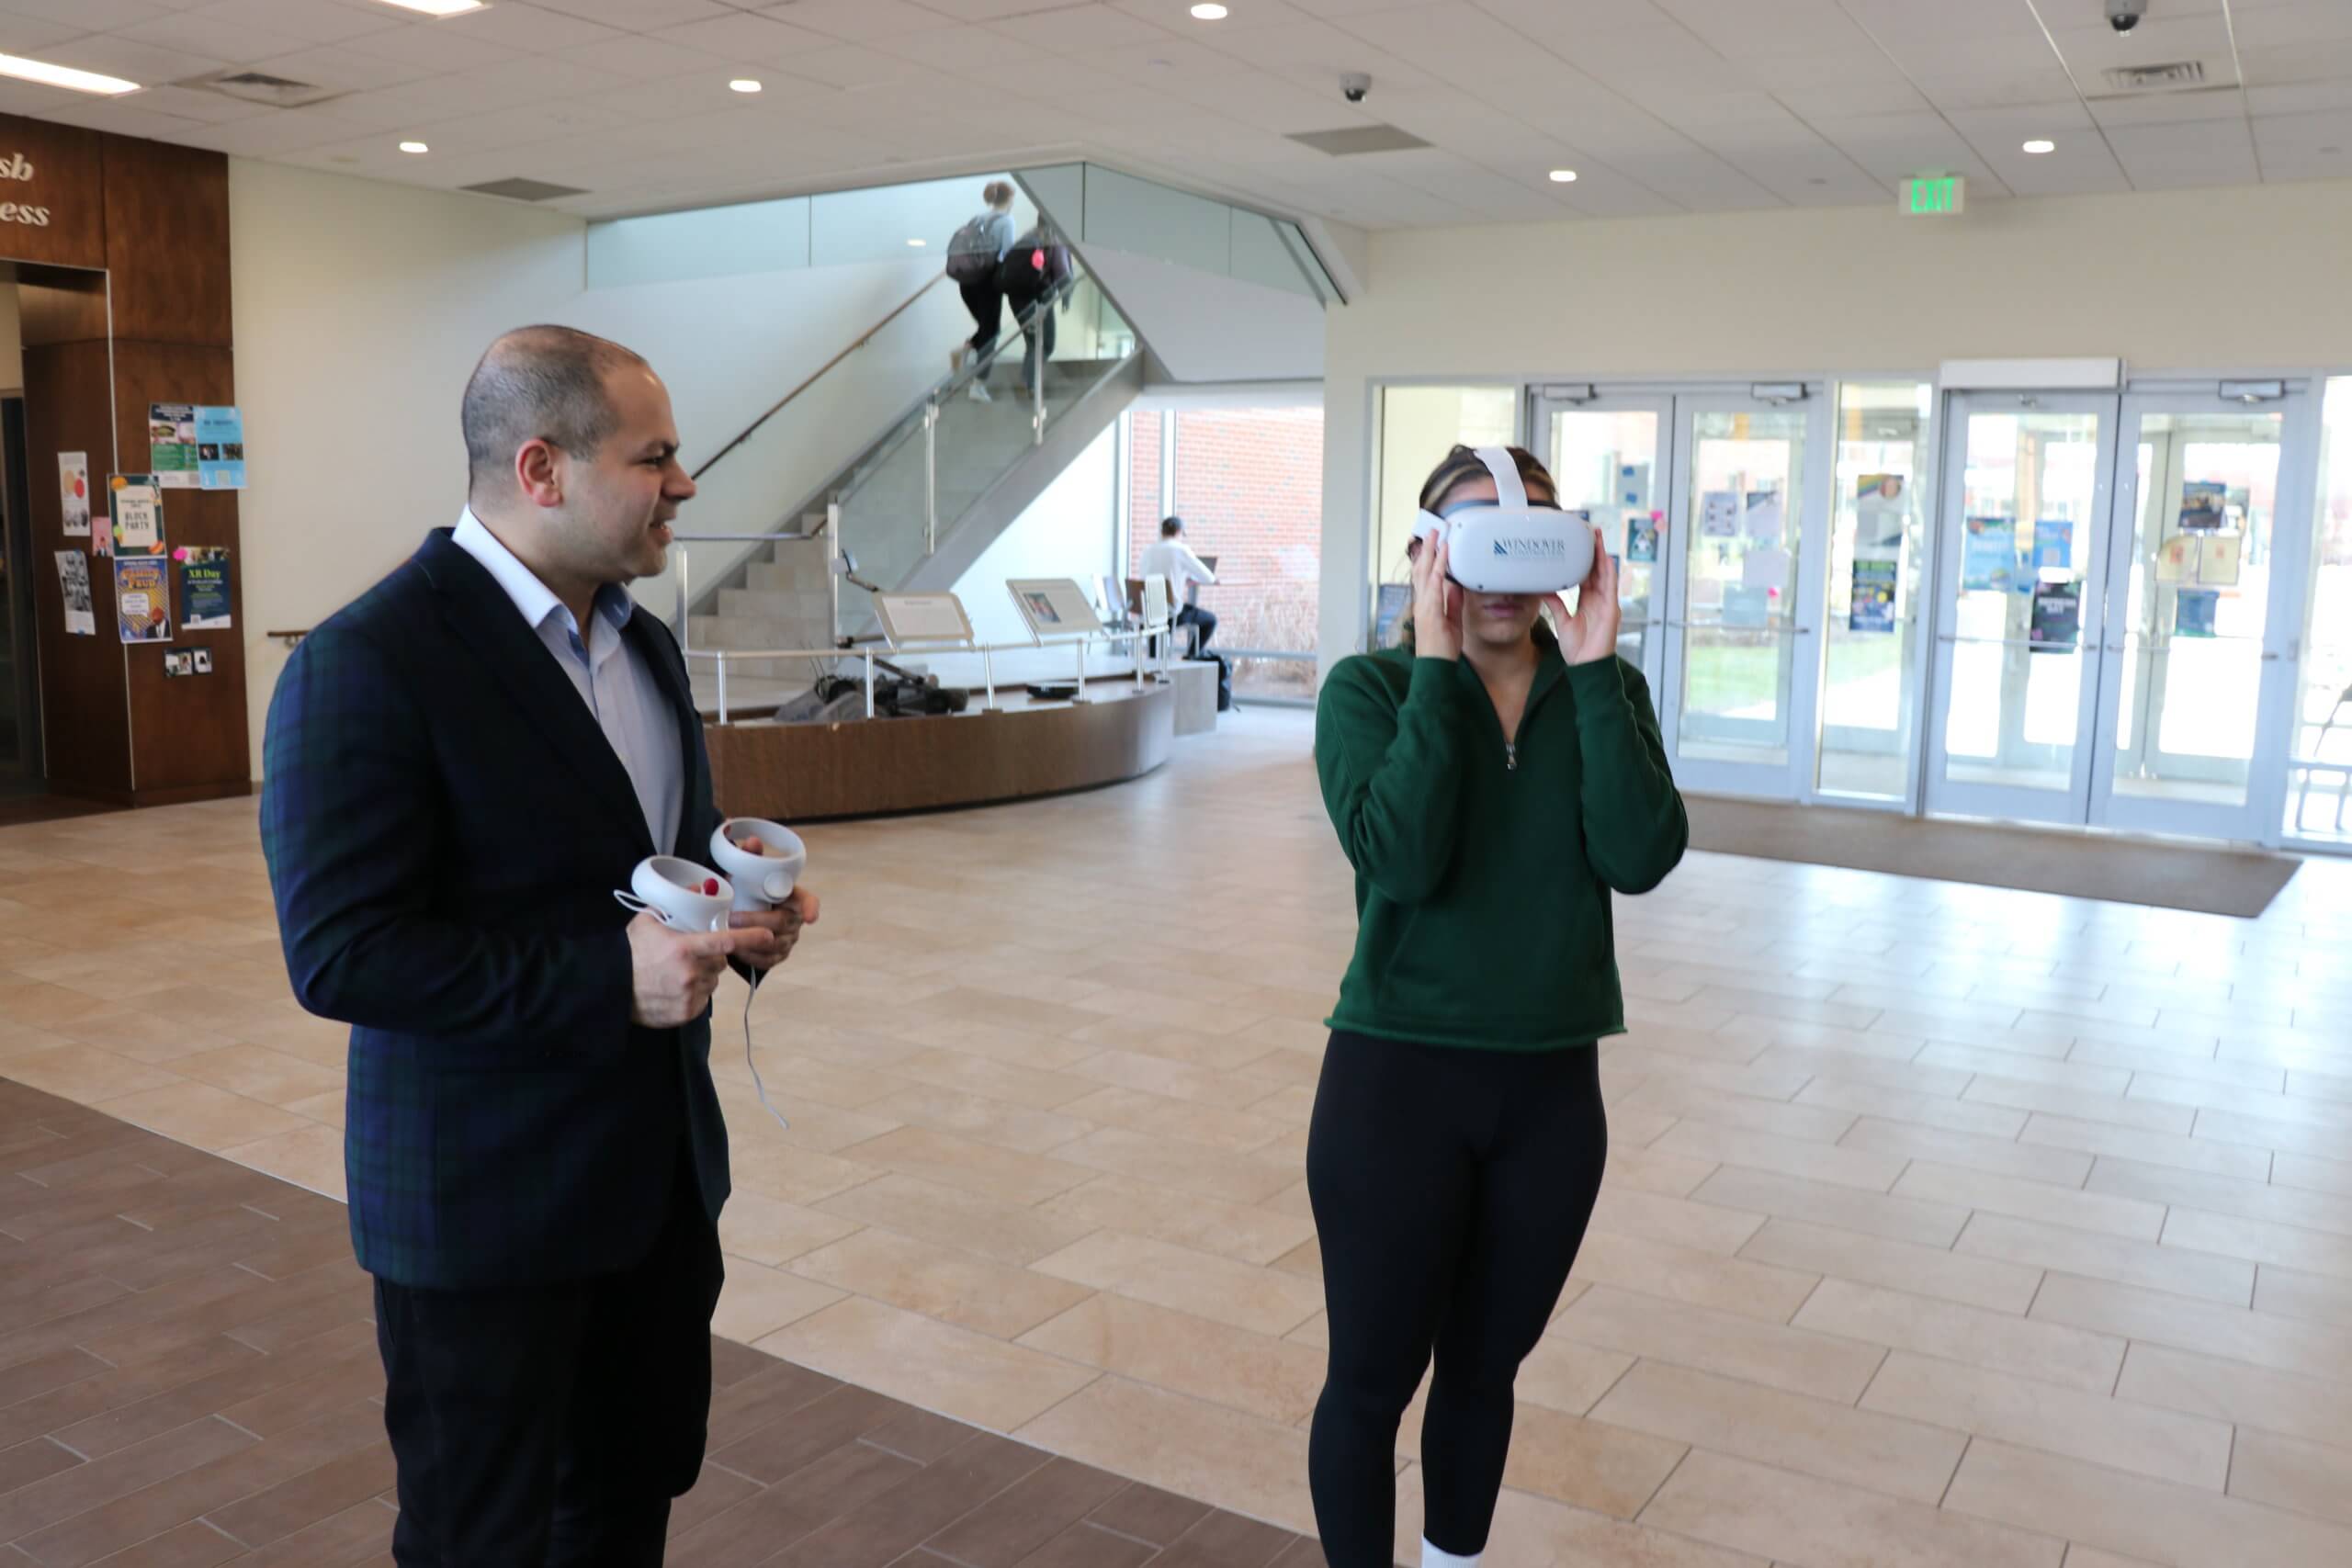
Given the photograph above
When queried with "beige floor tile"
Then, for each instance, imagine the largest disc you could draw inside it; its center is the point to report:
(764, 1164)
(1891, 1068)
(2315, 1297)
(1013, 1047)
(1260, 1300)
(309, 1156)
(828, 1083)
(2183, 1527)
(1995, 1341)
(995, 1079)
(977, 1117)
(2027, 1067)
(2177, 1268)
(2313, 1407)
(951, 1161)
(1815, 1437)
(198, 1114)
(1610, 1470)
(2081, 1556)
(2223, 1195)
(327, 1108)
(1242, 1179)
(2018, 1097)
(2313, 1175)
(257, 1073)
(2078, 1423)
(1875, 1260)
(1189, 1121)
(1173, 1080)
(1778, 1356)
(2000, 1157)
(771, 1231)
(2040, 1201)
(1185, 1446)
(1561, 1374)
(1910, 1106)
(2292, 1474)
(2264, 1241)
(2199, 1094)
(1703, 1279)
(1653, 1171)
(1808, 1124)
(955, 1371)
(955, 1287)
(1007, 1233)
(1536, 1532)
(2235, 1334)
(1863, 1169)
(1276, 1379)
(87, 1075)
(1819, 1524)
(1903, 1218)
(757, 1300)
(1675, 1222)
(1257, 1235)
(2201, 1154)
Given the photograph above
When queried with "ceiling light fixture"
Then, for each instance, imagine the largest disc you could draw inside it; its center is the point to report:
(64, 76)
(440, 7)
(919, 243)
(415, 147)
(1209, 12)
(2039, 145)
(1564, 177)
(744, 85)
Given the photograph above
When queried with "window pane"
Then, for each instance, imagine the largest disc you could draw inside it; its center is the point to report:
(1871, 683)
(2319, 773)
(1418, 426)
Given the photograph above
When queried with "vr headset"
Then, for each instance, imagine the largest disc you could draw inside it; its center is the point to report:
(1511, 545)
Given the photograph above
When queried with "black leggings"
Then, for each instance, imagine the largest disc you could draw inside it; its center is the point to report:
(986, 301)
(1451, 1189)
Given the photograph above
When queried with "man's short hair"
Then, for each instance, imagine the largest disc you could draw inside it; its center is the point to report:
(1171, 526)
(540, 383)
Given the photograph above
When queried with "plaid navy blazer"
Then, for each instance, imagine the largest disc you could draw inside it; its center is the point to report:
(444, 825)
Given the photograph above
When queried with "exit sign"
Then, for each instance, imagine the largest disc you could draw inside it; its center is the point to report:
(1933, 195)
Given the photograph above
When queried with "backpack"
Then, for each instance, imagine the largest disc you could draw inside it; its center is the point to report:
(1034, 267)
(971, 254)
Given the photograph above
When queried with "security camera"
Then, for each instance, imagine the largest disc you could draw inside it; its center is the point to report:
(2124, 14)
(1356, 86)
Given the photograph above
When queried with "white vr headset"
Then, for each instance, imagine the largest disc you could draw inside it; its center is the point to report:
(1511, 545)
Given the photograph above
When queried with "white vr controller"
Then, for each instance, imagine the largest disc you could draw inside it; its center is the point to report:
(1511, 545)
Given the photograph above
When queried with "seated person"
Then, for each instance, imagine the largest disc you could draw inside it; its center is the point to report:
(1173, 560)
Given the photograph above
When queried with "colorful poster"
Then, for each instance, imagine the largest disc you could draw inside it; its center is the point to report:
(171, 444)
(2053, 545)
(1766, 514)
(142, 606)
(2203, 506)
(1873, 604)
(2219, 558)
(73, 493)
(1719, 514)
(221, 448)
(73, 577)
(1641, 535)
(204, 587)
(138, 506)
(2194, 610)
(101, 536)
(1989, 554)
(1880, 514)
(2057, 618)
(1394, 599)
(2176, 559)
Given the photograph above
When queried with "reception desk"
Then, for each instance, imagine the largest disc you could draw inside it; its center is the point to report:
(800, 772)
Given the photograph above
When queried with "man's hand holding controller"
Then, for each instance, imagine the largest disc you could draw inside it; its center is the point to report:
(674, 974)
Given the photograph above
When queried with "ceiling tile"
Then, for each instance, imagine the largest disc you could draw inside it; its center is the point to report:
(1081, 27)
(638, 16)
(185, 35)
(641, 59)
(346, 70)
(853, 66)
(83, 16)
(116, 55)
(2291, 25)
(859, 21)
(960, 48)
(319, 21)
(435, 48)
(2162, 108)
(2199, 152)
(759, 41)
(512, 23)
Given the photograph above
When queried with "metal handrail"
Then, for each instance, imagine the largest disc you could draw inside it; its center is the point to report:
(777, 407)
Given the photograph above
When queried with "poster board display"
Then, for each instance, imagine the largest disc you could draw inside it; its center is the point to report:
(909, 618)
(1054, 607)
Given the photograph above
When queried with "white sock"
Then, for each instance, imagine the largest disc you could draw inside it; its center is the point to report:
(1432, 1558)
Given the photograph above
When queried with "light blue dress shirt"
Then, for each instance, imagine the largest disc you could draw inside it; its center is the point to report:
(621, 691)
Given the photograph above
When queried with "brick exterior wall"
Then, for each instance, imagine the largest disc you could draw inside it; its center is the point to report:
(1248, 484)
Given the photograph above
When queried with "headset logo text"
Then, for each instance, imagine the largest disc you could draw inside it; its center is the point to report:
(1531, 547)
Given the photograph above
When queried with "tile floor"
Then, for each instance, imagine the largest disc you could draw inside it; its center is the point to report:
(1945, 1224)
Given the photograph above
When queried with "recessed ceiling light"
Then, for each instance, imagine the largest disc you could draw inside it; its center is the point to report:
(64, 76)
(1564, 177)
(745, 84)
(918, 243)
(2039, 145)
(439, 7)
(1209, 12)
(415, 147)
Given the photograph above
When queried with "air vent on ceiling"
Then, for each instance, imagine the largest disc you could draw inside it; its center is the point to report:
(519, 189)
(261, 88)
(2172, 78)
(1357, 139)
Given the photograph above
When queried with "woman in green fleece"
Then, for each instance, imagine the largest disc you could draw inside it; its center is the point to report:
(1492, 782)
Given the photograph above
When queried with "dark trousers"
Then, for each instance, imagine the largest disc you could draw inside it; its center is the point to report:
(1451, 1189)
(1039, 311)
(986, 301)
(1193, 615)
(552, 1425)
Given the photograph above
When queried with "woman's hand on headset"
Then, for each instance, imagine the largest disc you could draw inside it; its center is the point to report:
(1437, 604)
(1590, 634)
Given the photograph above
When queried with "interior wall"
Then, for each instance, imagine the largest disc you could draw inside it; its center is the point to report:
(12, 332)
(1838, 290)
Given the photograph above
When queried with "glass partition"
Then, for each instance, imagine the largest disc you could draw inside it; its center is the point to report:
(1418, 426)
(2319, 767)
(1096, 206)
(1872, 677)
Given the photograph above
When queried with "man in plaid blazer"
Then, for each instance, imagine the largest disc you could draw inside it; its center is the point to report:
(460, 769)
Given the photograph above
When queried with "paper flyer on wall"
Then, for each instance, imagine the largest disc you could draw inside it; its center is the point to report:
(1746, 607)
(2057, 618)
(1719, 514)
(2053, 544)
(1880, 512)
(221, 448)
(141, 598)
(171, 444)
(101, 535)
(138, 506)
(73, 577)
(2219, 558)
(1989, 554)
(2194, 611)
(1873, 609)
(2203, 504)
(2176, 559)
(1765, 515)
(73, 493)
(1766, 568)
(1641, 535)
(204, 587)
(1394, 599)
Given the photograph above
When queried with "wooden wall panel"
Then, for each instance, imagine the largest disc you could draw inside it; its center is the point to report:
(57, 304)
(66, 185)
(84, 708)
(167, 242)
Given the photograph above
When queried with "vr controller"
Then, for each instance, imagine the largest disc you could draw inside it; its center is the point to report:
(1511, 545)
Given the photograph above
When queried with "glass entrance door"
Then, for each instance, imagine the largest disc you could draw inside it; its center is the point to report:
(1604, 453)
